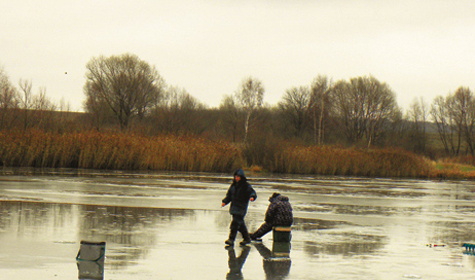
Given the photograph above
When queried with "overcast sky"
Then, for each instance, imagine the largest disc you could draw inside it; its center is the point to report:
(420, 48)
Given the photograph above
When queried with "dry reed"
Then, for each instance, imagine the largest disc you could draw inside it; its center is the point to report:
(328, 160)
(95, 150)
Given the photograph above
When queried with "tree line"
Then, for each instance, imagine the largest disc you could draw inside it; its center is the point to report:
(128, 94)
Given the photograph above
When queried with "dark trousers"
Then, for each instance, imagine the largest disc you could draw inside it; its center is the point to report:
(262, 230)
(238, 225)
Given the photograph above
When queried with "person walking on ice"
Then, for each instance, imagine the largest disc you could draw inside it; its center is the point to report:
(279, 213)
(239, 194)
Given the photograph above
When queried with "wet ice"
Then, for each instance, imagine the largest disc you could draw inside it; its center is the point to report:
(171, 226)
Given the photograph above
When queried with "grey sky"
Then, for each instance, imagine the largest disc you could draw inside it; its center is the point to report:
(419, 48)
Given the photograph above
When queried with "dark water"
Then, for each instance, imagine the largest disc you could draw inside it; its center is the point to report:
(171, 226)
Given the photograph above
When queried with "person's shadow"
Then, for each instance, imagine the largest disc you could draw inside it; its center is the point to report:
(236, 264)
(276, 263)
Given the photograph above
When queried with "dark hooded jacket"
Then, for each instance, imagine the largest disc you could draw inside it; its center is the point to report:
(239, 194)
(279, 211)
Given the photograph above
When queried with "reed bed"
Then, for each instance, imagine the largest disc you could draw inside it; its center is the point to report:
(120, 151)
(116, 151)
(329, 160)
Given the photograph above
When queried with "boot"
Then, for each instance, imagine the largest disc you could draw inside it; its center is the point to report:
(254, 237)
(247, 238)
(245, 242)
(232, 236)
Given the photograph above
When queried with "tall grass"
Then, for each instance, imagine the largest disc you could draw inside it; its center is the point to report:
(116, 151)
(122, 151)
(460, 167)
(329, 160)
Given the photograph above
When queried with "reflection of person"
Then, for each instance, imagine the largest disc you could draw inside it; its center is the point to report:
(274, 267)
(239, 194)
(279, 213)
(235, 264)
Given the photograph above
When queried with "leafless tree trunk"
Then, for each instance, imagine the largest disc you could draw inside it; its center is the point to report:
(441, 115)
(417, 116)
(8, 101)
(321, 88)
(26, 101)
(462, 109)
(251, 96)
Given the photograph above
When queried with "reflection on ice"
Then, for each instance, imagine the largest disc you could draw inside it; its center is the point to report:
(345, 245)
(456, 232)
(359, 209)
(276, 263)
(236, 263)
(132, 231)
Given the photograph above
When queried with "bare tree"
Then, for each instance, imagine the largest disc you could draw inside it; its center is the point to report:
(417, 116)
(320, 103)
(65, 118)
(458, 103)
(294, 105)
(231, 116)
(445, 126)
(36, 109)
(455, 120)
(26, 101)
(178, 111)
(469, 116)
(251, 96)
(365, 104)
(125, 85)
(418, 112)
(8, 101)
(44, 109)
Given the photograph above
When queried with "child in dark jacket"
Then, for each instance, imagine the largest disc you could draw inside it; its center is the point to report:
(239, 194)
(279, 213)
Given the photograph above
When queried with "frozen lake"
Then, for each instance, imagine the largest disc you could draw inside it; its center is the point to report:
(172, 226)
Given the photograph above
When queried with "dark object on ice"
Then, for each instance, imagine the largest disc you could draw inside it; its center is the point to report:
(435, 245)
(278, 215)
(469, 248)
(91, 251)
(90, 260)
(281, 234)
